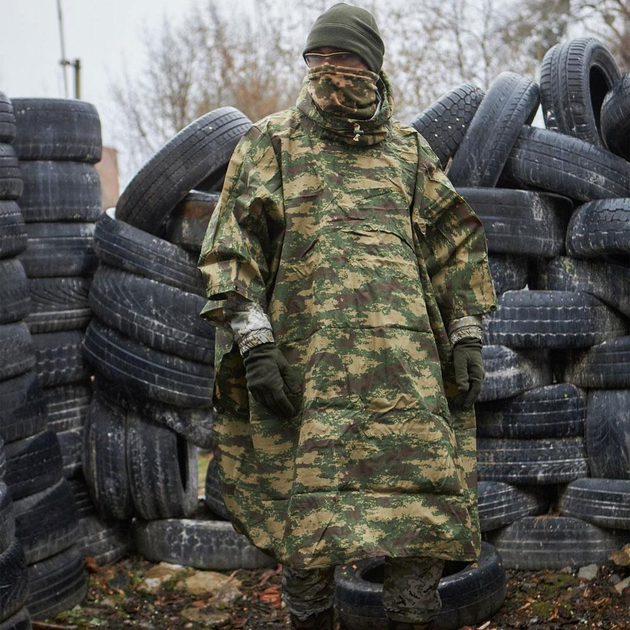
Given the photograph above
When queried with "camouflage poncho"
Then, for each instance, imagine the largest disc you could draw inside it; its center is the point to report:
(356, 244)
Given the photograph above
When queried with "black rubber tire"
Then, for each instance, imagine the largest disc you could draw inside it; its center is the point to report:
(552, 319)
(156, 375)
(195, 155)
(511, 372)
(13, 236)
(59, 304)
(11, 184)
(444, 123)
(67, 406)
(17, 352)
(615, 117)
(501, 503)
(22, 407)
(568, 166)
(33, 464)
(59, 249)
(600, 228)
(508, 273)
(607, 428)
(57, 583)
(606, 365)
(553, 411)
(194, 425)
(162, 470)
(510, 103)
(7, 518)
(603, 502)
(7, 119)
(189, 221)
(14, 294)
(200, 542)
(57, 129)
(59, 358)
(214, 497)
(122, 246)
(60, 191)
(153, 313)
(13, 580)
(105, 459)
(82, 497)
(575, 77)
(521, 222)
(20, 621)
(554, 542)
(605, 280)
(3, 461)
(469, 596)
(104, 542)
(71, 444)
(536, 462)
(46, 522)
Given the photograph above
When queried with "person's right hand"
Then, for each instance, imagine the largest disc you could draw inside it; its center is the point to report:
(271, 380)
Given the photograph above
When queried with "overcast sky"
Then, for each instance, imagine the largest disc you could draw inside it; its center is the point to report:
(105, 34)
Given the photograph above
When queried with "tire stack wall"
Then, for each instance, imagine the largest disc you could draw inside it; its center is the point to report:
(552, 463)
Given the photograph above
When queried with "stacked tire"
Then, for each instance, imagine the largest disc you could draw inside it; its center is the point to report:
(554, 203)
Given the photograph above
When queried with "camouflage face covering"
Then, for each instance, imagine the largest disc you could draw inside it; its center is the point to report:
(351, 92)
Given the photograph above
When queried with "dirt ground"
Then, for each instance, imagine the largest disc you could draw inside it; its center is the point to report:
(547, 600)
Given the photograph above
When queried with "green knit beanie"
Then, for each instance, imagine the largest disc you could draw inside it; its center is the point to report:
(348, 28)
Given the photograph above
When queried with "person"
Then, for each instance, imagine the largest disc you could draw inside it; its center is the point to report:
(347, 279)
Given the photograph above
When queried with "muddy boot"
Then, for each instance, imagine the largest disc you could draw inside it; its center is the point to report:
(323, 620)
(411, 625)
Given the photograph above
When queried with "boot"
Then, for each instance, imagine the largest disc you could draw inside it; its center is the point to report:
(411, 625)
(323, 620)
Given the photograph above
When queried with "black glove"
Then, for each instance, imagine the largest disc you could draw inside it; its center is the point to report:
(469, 372)
(271, 380)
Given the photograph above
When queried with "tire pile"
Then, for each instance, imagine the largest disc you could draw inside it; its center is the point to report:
(153, 355)
(552, 418)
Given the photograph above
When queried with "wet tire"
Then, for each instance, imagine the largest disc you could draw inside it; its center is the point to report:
(521, 222)
(196, 156)
(59, 304)
(82, 498)
(11, 184)
(20, 621)
(469, 596)
(59, 358)
(22, 407)
(603, 502)
(444, 123)
(605, 280)
(71, 444)
(14, 293)
(536, 462)
(189, 221)
(156, 375)
(60, 191)
(553, 411)
(547, 160)
(12, 229)
(7, 119)
(510, 103)
(606, 365)
(554, 542)
(59, 249)
(501, 503)
(199, 542)
(607, 427)
(575, 77)
(213, 496)
(13, 581)
(508, 273)
(552, 319)
(153, 313)
(105, 542)
(120, 245)
(512, 372)
(46, 522)
(57, 129)
(162, 469)
(615, 116)
(7, 518)
(67, 406)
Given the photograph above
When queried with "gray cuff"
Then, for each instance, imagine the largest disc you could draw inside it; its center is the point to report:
(466, 331)
(255, 338)
(460, 322)
(248, 321)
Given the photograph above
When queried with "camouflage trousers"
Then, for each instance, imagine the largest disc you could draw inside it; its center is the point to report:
(409, 589)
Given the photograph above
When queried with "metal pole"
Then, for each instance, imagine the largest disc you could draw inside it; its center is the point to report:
(63, 49)
(77, 78)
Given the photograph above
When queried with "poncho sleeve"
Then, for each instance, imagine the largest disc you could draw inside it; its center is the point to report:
(242, 244)
(452, 243)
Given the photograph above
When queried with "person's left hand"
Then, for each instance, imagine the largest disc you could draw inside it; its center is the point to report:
(469, 372)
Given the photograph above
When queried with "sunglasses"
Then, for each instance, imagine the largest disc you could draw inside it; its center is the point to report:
(341, 58)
